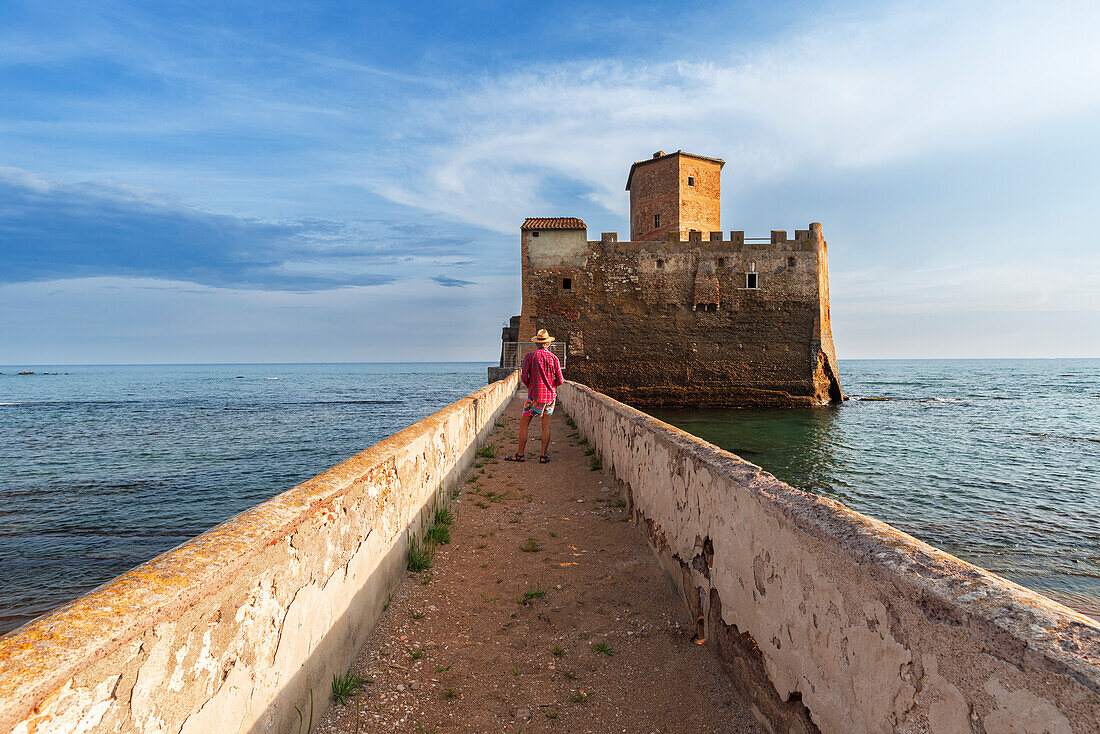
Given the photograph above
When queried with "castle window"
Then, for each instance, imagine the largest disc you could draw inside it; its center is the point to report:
(790, 262)
(656, 221)
(751, 281)
(721, 262)
(660, 264)
(535, 233)
(691, 180)
(567, 284)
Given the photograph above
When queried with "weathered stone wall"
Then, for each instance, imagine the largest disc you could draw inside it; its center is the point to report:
(674, 323)
(230, 631)
(654, 190)
(830, 620)
(701, 203)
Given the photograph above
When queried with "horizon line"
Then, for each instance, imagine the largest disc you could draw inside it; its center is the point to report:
(24, 365)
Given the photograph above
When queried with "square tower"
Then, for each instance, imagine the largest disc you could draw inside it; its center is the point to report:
(675, 192)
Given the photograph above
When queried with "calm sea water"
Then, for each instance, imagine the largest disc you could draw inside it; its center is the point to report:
(995, 461)
(104, 468)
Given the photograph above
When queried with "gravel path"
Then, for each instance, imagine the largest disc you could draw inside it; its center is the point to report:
(546, 612)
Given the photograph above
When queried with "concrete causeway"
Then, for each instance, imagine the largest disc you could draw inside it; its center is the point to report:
(569, 597)
(506, 631)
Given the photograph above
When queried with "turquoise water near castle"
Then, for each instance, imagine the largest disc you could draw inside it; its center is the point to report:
(995, 461)
(104, 468)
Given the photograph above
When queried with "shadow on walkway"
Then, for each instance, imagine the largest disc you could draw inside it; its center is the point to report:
(546, 612)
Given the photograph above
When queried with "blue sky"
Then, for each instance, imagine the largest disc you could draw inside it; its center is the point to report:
(195, 182)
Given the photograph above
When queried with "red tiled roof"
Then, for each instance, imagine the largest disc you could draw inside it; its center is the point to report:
(553, 223)
(630, 175)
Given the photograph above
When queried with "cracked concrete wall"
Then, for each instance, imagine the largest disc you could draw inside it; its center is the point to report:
(231, 630)
(830, 620)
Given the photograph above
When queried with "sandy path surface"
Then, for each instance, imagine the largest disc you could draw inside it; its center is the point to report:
(546, 612)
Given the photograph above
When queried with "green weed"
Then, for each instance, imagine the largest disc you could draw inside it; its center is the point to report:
(347, 686)
(487, 451)
(414, 653)
(603, 648)
(531, 546)
(300, 720)
(420, 556)
(595, 464)
(439, 533)
(444, 516)
(557, 651)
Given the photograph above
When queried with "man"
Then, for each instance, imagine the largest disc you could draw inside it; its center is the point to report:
(541, 374)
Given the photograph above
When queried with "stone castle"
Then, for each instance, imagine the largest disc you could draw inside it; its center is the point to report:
(682, 315)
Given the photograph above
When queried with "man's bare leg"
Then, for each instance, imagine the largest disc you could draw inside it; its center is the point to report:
(545, 434)
(524, 421)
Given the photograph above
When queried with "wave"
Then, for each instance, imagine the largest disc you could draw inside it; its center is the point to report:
(881, 399)
(1065, 438)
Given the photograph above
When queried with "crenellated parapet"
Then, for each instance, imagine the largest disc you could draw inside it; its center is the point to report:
(704, 318)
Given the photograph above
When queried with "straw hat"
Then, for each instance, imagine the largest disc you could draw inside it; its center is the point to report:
(543, 338)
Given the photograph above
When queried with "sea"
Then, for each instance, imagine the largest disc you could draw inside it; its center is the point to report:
(103, 467)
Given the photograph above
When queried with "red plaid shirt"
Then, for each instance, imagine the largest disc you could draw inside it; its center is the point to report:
(541, 373)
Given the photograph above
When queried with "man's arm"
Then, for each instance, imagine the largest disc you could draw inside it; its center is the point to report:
(525, 370)
(559, 378)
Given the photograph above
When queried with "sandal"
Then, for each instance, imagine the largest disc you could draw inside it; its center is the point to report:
(544, 459)
(515, 457)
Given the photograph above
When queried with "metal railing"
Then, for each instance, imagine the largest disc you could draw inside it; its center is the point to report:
(512, 354)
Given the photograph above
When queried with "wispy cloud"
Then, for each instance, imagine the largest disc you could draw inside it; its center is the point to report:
(451, 282)
(51, 230)
(909, 81)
